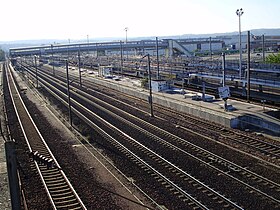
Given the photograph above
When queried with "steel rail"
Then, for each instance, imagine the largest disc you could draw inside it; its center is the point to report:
(125, 135)
(57, 199)
(209, 156)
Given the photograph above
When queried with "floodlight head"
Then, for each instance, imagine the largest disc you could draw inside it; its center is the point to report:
(239, 12)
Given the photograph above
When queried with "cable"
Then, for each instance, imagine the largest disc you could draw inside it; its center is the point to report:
(140, 204)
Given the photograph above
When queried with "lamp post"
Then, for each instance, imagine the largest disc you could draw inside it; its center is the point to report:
(240, 12)
(248, 68)
(126, 28)
(121, 49)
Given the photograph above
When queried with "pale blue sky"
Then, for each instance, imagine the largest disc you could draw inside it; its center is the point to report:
(66, 19)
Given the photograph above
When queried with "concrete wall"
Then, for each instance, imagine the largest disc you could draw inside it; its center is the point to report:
(249, 121)
(207, 114)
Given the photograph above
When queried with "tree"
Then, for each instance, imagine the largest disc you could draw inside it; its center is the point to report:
(272, 58)
(2, 55)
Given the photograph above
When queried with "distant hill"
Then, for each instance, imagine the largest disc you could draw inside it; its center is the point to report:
(266, 32)
(257, 32)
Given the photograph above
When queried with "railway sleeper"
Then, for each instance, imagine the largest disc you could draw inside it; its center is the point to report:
(64, 194)
(210, 194)
(215, 198)
(273, 187)
(68, 198)
(58, 186)
(221, 201)
(168, 186)
(272, 149)
(51, 178)
(181, 196)
(69, 206)
(172, 189)
(226, 206)
(55, 181)
(60, 191)
(50, 174)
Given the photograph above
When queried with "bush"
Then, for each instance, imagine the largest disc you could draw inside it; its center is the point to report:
(2, 55)
(144, 82)
(272, 58)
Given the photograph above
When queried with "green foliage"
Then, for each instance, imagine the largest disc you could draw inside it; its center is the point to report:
(2, 55)
(272, 58)
(144, 82)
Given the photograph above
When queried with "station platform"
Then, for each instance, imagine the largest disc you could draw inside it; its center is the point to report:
(242, 115)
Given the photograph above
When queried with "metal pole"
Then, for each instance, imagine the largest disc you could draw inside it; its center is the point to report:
(143, 45)
(126, 42)
(36, 71)
(248, 67)
(263, 48)
(126, 34)
(52, 60)
(68, 48)
(157, 58)
(240, 49)
(88, 44)
(210, 47)
(203, 91)
(150, 86)
(68, 93)
(121, 57)
(79, 67)
(96, 50)
(12, 174)
(224, 68)
(240, 12)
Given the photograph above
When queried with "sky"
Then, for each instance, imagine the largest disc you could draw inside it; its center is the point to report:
(72, 20)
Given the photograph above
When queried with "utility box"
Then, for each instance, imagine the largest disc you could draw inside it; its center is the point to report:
(159, 85)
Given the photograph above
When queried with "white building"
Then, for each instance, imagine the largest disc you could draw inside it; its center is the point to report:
(105, 71)
(159, 85)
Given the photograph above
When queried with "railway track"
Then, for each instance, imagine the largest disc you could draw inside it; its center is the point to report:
(214, 131)
(58, 188)
(221, 134)
(211, 130)
(145, 158)
(169, 140)
(207, 156)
